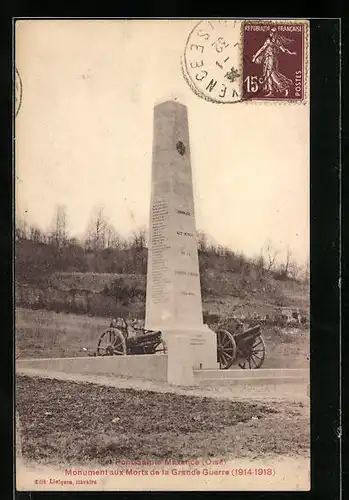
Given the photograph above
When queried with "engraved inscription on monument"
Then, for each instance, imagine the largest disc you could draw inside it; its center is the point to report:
(159, 262)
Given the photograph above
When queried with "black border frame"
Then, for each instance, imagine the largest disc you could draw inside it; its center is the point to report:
(325, 39)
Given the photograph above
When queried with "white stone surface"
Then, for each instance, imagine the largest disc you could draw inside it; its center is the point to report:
(142, 367)
(179, 360)
(202, 344)
(173, 302)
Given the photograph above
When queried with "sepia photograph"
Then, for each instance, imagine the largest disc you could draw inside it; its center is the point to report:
(162, 255)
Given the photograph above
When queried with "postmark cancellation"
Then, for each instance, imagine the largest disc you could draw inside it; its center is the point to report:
(18, 92)
(232, 61)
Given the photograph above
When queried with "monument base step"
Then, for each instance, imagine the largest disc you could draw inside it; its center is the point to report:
(142, 367)
(269, 381)
(268, 377)
(259, 373)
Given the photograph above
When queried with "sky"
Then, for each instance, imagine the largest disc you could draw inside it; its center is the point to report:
(84, 137)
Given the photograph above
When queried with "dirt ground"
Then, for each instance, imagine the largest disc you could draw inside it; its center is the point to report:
(68, 422)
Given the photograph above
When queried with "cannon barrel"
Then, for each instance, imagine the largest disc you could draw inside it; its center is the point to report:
(147, 337)
(246, 335)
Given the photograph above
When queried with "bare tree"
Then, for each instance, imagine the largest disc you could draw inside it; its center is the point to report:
(110, 234)
(285, 267)
(287, 260)
(270, 255)
(139, 238)
(59, 233)
(96, 233)
(113, 239)
(202, 241)
(259, 263)
(35, 234)
(21, 228)
(137, 249)
(294, 270)
(305, 271)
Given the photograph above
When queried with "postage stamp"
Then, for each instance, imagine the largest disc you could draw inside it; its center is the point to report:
(231, 61)
(274, 61)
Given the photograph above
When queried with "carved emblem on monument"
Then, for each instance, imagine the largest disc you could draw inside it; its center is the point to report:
(180, 148)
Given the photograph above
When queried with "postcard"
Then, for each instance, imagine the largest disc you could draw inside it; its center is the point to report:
(162, 255)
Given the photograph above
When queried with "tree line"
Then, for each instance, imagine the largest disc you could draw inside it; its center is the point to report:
(99, 233)
(103, 249)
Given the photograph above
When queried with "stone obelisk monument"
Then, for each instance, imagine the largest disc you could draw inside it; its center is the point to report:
(173, 300)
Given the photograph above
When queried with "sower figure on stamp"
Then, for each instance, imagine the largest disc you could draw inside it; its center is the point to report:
(273, 79)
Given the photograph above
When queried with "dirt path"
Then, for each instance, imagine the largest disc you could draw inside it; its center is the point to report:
(272, 393)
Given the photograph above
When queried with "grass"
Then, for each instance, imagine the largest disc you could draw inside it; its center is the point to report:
(70, 422)
(224, 306)
(95, 282)
(46, 334)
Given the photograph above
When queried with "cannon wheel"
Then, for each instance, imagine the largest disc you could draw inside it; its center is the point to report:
(226, 349)
(111, 342)
(161, 348)
(255, 354)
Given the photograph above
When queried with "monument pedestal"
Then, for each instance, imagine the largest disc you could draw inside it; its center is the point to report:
(179, 360)
(173, 297)
(199, 340)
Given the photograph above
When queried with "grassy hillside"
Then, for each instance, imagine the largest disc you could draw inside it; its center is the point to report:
(73, 280)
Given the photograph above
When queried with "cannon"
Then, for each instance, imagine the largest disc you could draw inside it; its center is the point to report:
(245, 348)
(116, 340)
